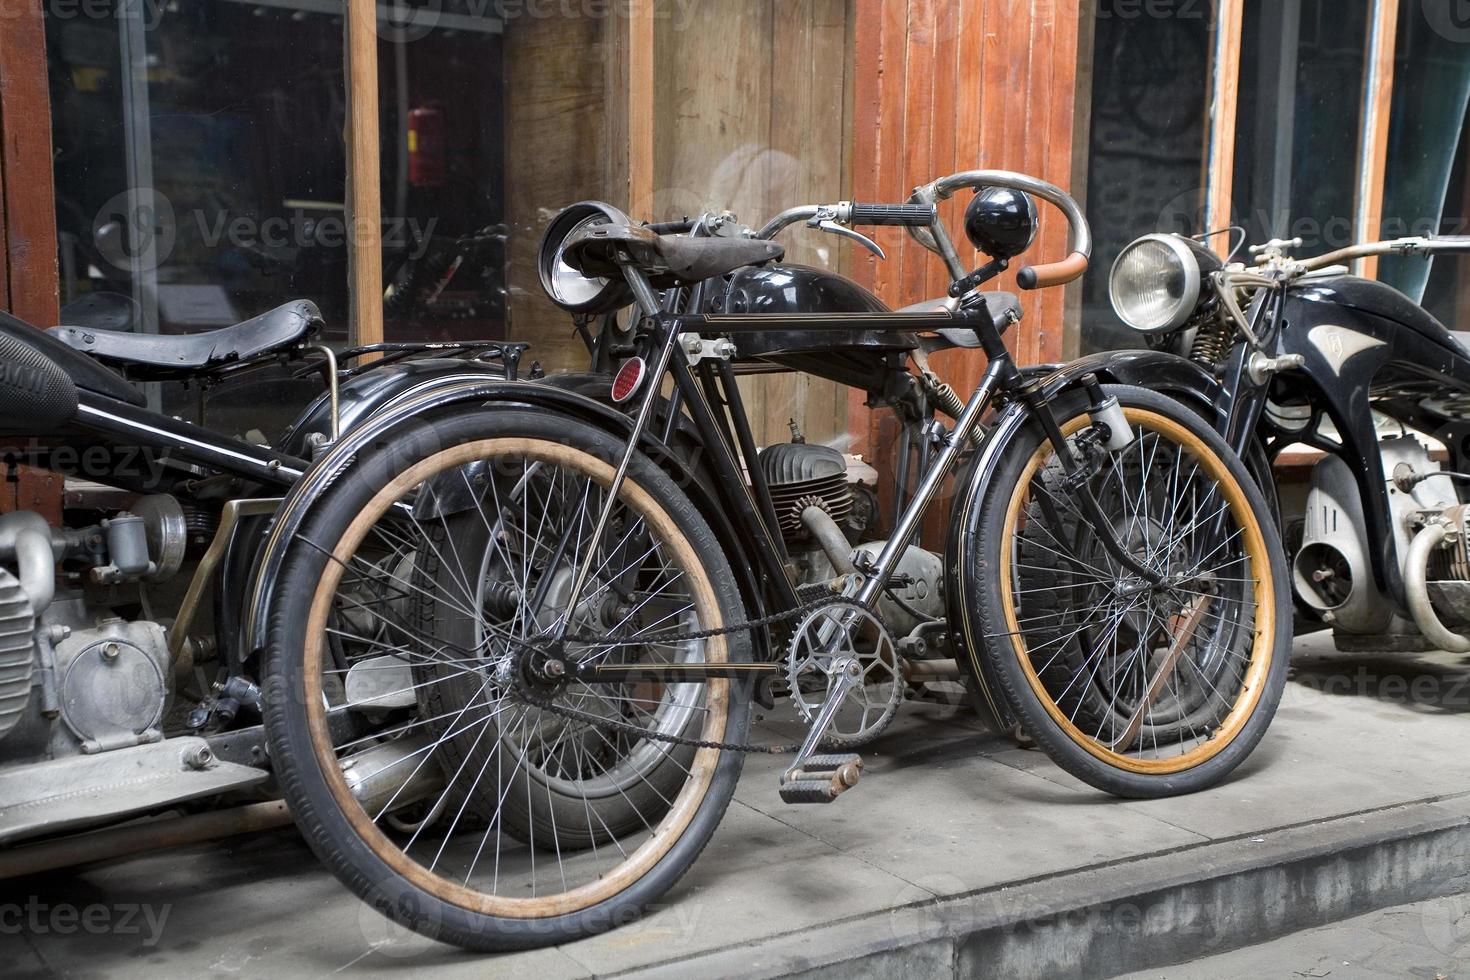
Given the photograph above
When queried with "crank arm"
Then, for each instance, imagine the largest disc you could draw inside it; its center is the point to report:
(847, 679)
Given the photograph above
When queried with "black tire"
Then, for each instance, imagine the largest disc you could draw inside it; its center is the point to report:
(1042, 690)
(310, 775)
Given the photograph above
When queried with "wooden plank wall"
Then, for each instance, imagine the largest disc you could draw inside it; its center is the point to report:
(752, 116)
(740, 105)
(29, 278)
(28, 272)
(565, 120)
(949, 85)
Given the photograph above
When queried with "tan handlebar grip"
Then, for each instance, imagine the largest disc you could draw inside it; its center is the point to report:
(1053, 274)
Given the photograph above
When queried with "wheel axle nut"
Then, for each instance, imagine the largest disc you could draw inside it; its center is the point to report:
(555, 668)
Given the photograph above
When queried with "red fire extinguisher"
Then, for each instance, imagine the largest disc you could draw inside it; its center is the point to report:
(426, 147)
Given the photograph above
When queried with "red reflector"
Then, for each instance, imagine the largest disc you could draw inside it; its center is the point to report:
(629, 379)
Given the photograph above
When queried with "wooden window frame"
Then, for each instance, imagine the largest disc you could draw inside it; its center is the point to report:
(1377, 98)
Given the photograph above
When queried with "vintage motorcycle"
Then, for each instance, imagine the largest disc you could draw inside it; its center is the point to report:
(1286, 352)
(579, 599)
(124, 688)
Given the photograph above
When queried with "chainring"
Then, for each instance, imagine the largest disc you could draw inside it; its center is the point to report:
(833, 633)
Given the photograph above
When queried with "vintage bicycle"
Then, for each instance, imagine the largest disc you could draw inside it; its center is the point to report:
(584, 587)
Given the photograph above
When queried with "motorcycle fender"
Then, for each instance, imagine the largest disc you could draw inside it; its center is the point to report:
(965, 632)
(452, 388)
(1169, 374)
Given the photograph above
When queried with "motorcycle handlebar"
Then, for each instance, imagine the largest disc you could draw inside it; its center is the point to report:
(904, 215)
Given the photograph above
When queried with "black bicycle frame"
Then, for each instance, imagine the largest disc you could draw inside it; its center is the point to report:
(697, 383)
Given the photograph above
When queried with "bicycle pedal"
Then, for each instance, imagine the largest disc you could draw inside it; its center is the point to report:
(821, 779)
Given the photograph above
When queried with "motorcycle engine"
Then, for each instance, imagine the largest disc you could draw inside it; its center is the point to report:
(77, 674)
(824, 505)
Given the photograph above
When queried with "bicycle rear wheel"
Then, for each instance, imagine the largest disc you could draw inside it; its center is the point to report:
(431, 756)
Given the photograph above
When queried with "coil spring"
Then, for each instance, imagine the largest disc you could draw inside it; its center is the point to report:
(1211, 341)
(945, 399)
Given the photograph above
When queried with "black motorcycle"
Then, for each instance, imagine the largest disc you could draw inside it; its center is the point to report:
(590, 587)
(1285, 352)
(127, 686)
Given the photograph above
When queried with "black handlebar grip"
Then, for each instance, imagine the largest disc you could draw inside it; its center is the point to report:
(906, 215)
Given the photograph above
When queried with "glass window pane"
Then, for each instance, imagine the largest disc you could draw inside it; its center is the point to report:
(200, 168)
(1146, 154)
(443, 164)
(1299, 120)
(1425, 189)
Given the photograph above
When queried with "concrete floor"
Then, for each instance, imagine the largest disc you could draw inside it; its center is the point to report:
(945, 810)
(1428, 940)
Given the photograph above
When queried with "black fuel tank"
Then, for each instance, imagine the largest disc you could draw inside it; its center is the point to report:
(794, 289)
(786, 289)
(1380, 300)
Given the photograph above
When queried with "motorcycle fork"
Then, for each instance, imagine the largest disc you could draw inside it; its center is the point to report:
(1075, 474)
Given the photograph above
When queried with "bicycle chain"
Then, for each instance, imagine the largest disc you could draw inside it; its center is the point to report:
(565, 711)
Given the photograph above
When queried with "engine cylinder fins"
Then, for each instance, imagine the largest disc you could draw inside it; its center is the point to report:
(832, 495)
(799, 475)
(17, 651)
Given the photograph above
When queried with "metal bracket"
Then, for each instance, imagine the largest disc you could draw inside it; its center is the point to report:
(697, 348)
(1262, 367)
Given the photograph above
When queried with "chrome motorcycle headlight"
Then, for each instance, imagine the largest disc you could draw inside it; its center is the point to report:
(1155, 284)
(567, 286)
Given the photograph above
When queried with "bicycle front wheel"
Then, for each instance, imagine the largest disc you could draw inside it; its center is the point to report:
(1139, 685)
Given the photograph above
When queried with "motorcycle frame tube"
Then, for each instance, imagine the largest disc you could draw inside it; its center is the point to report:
(445, 392)
(129, 425)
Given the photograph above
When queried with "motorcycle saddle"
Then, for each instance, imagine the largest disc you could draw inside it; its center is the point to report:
(172, 354)
(667, 259)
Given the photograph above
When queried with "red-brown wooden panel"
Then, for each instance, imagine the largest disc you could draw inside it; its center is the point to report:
(28, 205)
(947, 85)
(28, 272)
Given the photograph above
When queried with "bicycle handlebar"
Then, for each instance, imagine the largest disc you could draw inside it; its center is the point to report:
(903, 215)
(1079, 233)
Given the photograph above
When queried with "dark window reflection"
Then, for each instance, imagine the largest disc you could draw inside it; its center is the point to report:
(1297, 131)
(443, 169)
(1147, 147)
(1426, 191)
(200, 175)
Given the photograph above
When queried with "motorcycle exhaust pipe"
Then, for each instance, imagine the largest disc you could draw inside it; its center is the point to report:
(394, 774)
(1416, 588)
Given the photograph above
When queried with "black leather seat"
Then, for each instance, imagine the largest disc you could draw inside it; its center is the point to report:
(666, 259)
(175, 353)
